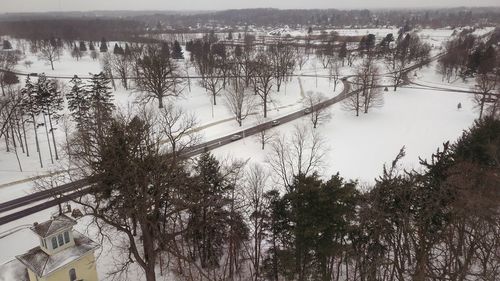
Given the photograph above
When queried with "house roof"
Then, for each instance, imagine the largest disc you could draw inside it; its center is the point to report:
(43, 264)
(53, 226)
(13, 270)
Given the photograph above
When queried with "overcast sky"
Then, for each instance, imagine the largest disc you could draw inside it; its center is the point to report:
(86, 5)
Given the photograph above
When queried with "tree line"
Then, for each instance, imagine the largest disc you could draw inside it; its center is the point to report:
(471, 57)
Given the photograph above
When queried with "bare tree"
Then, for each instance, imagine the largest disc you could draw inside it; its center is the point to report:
(372, 92)
(265, 135)
(301, 59)
(239, 101)
(257, 213)
(159, 76)
(263, 80)
(354, 101)
(283, 60)
(213, 79)
(315, 102)
(122, 65)
(407, 50)
(367, 92)
(178, 128)
(8, 60)
(484, 87)
(76, 53)
(49, 52)
(334, 72)
(301, 153)
(10, 105)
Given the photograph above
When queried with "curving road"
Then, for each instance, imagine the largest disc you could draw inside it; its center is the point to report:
(78, 188)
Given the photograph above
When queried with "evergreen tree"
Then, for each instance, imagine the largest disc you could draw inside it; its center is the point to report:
(91, 46)
(370, 42)
(362, 44)
(177, 51)
(230, 35)
(308, 225)
(50, 102)
(238, 51)
(32, 108)
(127, 51)
(76, 53)
(9, 78)
(83, 46)
(343, 52)
(165, 50)
(78, 102)
(487, 61)
(104, 46)
(100, 101)
(208, 215)
(6, 45)
(118, 50)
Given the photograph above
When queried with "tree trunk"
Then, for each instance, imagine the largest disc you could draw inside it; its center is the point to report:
(160, 102)
(19, 136)
(265, 106)
(25, 140)
(53, 137)
(48, 138)
(2, 86)
(481, 109)
(37, 143)
(7, 139)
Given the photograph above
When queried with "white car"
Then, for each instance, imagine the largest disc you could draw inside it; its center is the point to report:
(307, 111)
(275, 123)
(235, 137)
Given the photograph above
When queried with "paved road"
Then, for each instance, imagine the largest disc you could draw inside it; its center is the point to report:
(75, 189)
(72, 190)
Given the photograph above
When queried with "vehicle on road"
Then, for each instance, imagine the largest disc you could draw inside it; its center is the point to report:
(235, 137)
(275, 123)
(307, 111)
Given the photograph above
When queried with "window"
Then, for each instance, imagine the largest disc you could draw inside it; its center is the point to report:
(44, 243)
(66, 237)
(61, 240)
(54, 242)
(72, 274)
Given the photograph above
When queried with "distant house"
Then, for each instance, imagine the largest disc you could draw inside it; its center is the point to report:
(63, 254)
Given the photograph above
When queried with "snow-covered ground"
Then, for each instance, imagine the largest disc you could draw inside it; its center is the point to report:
(420, 120)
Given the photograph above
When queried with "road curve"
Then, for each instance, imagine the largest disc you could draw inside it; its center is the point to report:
(78, 188)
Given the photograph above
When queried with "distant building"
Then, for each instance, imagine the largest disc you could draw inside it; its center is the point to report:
(63, 254)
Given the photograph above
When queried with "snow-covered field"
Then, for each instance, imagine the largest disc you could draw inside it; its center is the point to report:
(420, 120)
(358, 147)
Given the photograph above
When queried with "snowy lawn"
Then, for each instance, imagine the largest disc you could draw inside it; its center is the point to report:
(420, 120)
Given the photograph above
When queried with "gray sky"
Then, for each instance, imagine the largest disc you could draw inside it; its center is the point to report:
(86, 5)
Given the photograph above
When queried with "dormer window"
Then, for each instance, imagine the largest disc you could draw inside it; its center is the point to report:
(60, 239)
(57, 232)
(66, 237)
(54, 242)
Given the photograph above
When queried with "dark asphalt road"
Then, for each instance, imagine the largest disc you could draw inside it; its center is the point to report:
(65, 192)
(75, 189)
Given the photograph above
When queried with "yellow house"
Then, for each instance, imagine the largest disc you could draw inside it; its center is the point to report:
(63, 254)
